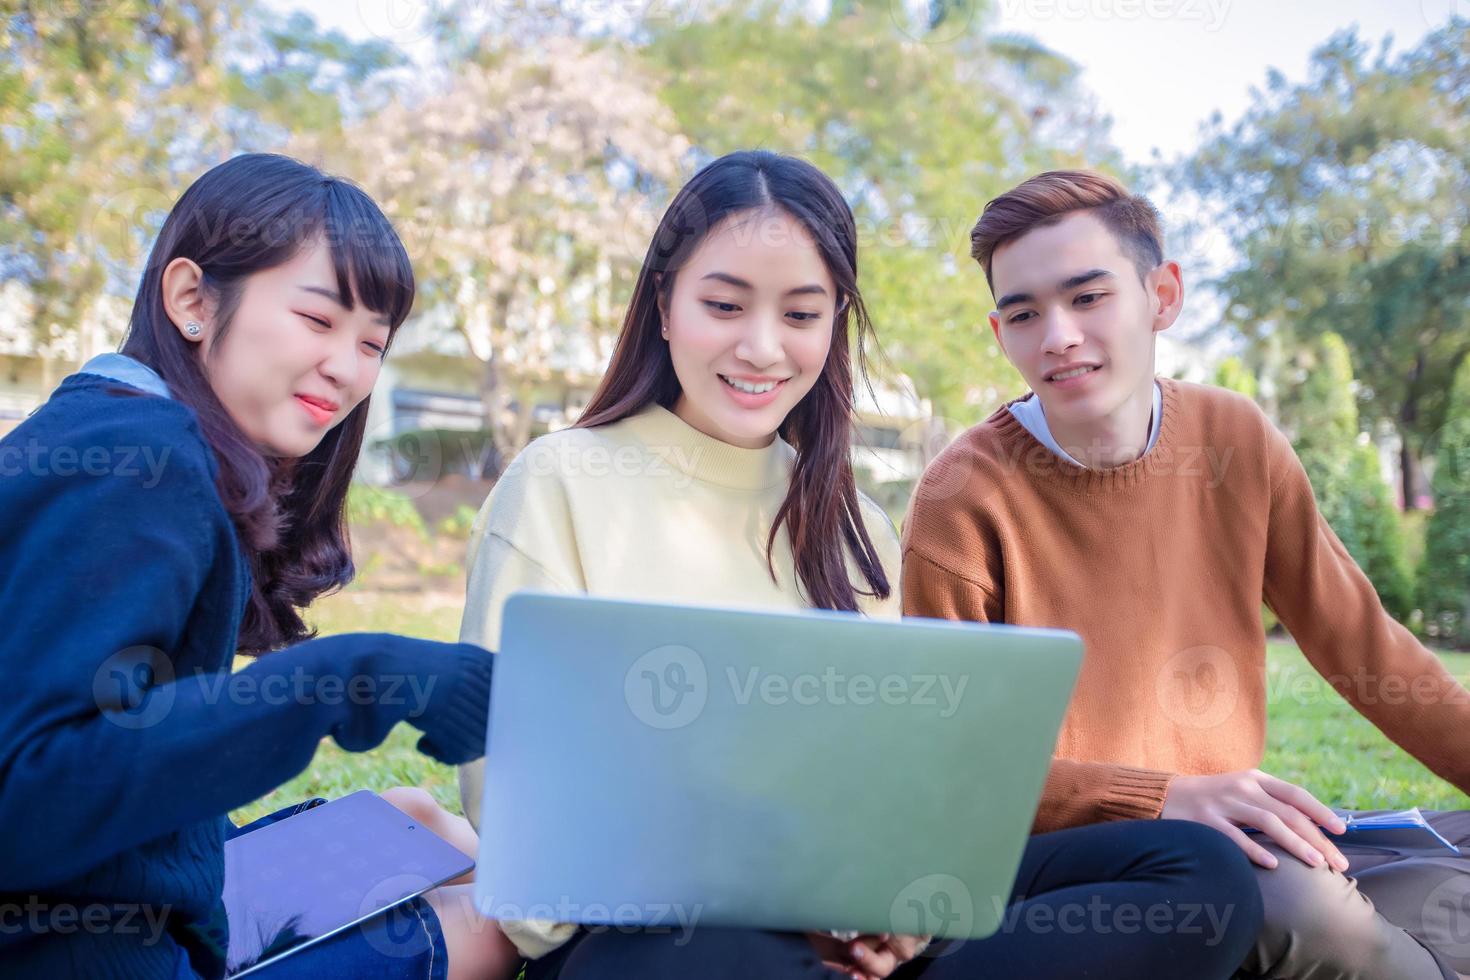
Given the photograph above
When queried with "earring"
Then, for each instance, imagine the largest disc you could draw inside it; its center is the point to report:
(192, 328)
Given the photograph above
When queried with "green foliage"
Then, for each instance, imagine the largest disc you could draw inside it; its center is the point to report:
(1346, 475)
(459, 524)
(109, 109)
(918, 131)
(1378, 525)
(1445, 575)
(375, 505)
(1234, 375)
(1344, 197)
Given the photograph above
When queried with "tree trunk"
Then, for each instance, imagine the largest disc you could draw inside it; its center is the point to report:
(1411, 470)
(492, 395)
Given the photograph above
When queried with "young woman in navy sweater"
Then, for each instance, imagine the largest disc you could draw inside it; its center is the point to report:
(170, 507)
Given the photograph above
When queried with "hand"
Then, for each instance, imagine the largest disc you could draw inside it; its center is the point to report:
(867, 957)
(1288, 814)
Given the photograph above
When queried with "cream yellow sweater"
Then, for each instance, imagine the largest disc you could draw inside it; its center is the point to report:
(646, 508)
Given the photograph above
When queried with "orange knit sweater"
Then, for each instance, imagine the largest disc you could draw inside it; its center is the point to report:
(1161, 565)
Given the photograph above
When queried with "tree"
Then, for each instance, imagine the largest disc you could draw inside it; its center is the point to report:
(1344, 200)
(1346, 474)
(1234, 375)
(109, 109)
(523, 185)
(1445, 576)
(918, 123)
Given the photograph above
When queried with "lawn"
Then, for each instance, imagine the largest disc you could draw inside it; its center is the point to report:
(1315, 738)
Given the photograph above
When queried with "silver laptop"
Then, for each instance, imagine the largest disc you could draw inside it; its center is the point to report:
(676, 766)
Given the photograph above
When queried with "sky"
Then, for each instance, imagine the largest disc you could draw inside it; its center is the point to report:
(1158, 67)
(1161, 67)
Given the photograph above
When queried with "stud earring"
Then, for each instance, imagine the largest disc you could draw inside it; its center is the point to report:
(192, 328)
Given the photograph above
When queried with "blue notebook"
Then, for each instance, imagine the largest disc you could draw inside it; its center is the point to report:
(1402, 830)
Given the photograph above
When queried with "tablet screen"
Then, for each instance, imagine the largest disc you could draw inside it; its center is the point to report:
(299, 880)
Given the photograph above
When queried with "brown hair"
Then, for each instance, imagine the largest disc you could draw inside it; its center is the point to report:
(821, 512)
(1049, 197)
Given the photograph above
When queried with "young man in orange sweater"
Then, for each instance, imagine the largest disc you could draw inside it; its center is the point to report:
(1154, 517)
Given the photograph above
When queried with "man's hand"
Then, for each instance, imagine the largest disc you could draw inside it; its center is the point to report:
(868, 957)
(1288, 814)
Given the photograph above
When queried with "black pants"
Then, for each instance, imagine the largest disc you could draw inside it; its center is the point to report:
(1150, 899)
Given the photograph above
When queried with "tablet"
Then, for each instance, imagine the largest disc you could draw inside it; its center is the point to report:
(293, 883)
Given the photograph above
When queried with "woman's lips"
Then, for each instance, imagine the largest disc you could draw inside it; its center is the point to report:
(746, 399)
(321, 412)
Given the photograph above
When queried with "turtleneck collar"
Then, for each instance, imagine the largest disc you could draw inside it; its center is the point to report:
(708, 459)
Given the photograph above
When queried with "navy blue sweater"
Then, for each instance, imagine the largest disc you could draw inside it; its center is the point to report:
(122, 746)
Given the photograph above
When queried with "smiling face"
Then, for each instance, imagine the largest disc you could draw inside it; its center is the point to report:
(749, 323)
(1075, 320)
(294, 361)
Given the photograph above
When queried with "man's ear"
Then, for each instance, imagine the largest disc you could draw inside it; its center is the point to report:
(1165, 285)
(995, 329)
(183, 299)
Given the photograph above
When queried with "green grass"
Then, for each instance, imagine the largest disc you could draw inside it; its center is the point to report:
(396, 762)
(1315, 739)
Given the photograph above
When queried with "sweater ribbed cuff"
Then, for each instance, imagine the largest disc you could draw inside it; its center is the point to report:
(1135, 794)
(457, 732)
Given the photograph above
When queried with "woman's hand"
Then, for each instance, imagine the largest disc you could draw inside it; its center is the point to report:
(869, 956)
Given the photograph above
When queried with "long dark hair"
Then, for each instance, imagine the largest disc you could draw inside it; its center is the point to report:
(821, 512)
(249, 214)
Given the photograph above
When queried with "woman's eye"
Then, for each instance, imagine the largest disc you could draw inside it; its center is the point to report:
(317, 320)
(719, 307)
(804, 317)
(377, 351)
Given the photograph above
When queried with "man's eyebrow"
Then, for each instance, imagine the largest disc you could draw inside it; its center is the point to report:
(336, 297)
(738, 283)
(1084, 278)
(1081, 279)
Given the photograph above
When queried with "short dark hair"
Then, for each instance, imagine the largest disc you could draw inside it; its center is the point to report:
(1049, 197)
